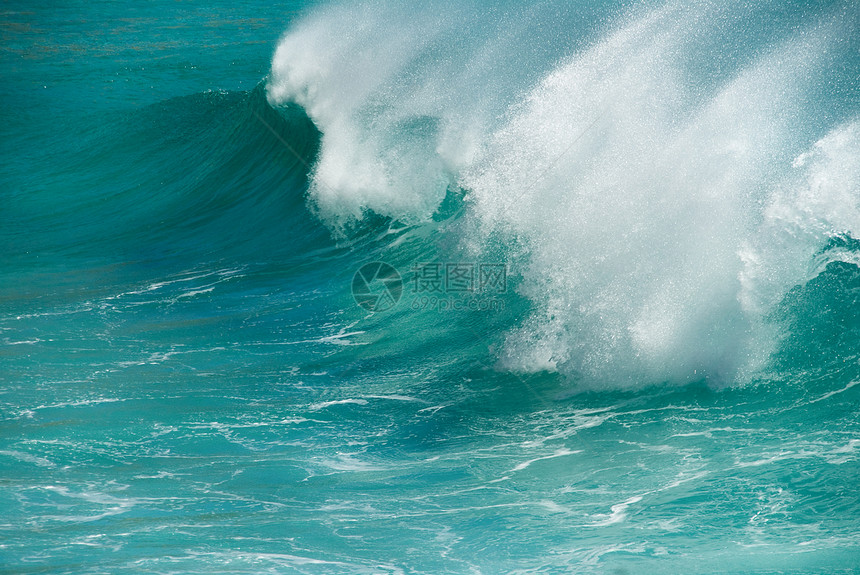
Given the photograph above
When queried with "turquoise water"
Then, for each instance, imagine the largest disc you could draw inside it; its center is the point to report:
(616, 327)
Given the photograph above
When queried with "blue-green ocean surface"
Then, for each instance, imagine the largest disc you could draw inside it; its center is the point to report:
(434, 288)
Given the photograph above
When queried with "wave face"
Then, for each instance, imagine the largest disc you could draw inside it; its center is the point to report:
(442, 288)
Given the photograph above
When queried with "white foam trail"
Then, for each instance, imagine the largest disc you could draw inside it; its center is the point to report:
(660, 215)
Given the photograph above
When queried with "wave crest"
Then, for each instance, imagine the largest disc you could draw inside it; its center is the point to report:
(657, 174)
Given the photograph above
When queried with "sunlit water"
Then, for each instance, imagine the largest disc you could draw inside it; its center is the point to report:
(622, 334)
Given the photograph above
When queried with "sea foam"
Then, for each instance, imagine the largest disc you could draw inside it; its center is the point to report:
(665, 188)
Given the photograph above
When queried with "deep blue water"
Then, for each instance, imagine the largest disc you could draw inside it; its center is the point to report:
(466, 288)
